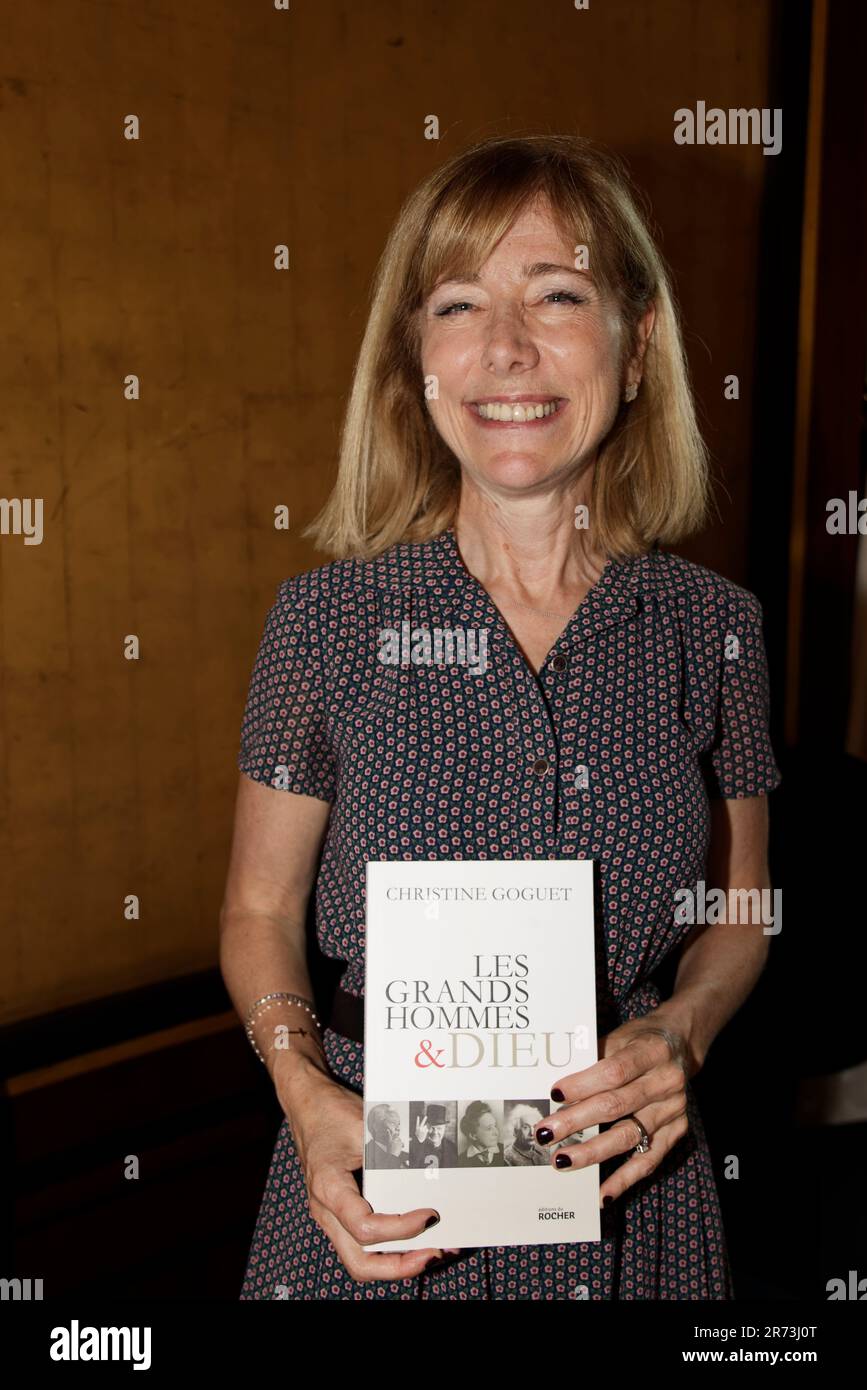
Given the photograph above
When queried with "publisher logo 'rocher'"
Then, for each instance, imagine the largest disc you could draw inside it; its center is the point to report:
(555, 1214)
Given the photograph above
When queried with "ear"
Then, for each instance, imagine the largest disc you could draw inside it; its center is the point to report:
(643, 330)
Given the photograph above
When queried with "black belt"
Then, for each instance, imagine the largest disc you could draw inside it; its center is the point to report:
(347, 1015)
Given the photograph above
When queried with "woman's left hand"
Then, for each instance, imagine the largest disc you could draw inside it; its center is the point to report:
(642, 1071)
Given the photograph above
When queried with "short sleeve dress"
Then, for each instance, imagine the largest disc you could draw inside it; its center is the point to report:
(653, 699)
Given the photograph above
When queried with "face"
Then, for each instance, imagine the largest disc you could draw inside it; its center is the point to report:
(436, 1134)
(388, 1127)
(524, 1130)
(487, 1133)
(544, 343)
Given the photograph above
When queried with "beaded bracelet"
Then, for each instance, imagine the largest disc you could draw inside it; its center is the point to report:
(267, 1002)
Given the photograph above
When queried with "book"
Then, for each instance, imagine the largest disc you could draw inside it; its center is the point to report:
(480, 996)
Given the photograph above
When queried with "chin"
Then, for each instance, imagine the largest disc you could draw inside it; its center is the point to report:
(518, 473)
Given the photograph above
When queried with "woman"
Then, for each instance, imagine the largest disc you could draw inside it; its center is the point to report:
(480, 1129)
(519, 442)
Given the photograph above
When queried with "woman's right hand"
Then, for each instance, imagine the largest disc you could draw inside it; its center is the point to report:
(327, 1124)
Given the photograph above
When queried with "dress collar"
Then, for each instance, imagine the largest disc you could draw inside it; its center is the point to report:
(615, 596)
(473, 1149)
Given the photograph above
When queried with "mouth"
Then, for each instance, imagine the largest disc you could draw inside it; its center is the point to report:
(535, 411)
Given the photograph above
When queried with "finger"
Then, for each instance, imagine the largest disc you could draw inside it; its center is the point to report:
(640, 1165)
(620, 1138)
(336, 1191)
(641, 1054)
(363, 1265)
(607, 1106)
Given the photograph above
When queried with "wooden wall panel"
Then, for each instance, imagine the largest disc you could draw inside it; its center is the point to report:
(155, 257)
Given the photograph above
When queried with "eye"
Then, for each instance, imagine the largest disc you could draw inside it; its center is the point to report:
(459, 304)
(567, 295)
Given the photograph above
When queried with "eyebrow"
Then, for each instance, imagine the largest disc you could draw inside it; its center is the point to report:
(529, 272)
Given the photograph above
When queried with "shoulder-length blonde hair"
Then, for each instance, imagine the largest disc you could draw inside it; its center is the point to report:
(397, 480)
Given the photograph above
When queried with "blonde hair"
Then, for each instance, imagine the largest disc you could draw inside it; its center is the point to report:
(397, 479)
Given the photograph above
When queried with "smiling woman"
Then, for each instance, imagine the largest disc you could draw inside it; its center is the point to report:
(545, 234)
(522, 360)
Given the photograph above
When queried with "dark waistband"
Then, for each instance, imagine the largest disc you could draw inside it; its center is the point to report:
(347, 1016)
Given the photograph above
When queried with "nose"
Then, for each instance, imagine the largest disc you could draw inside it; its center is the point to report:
(508, 343)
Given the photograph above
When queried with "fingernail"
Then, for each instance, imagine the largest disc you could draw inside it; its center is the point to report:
(544, 1136)
(435, 1263)
(607, 1200)
(563, 1161)
(556, 1093)
(431, 1221)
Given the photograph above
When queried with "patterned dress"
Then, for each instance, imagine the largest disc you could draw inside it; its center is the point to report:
(653, 698)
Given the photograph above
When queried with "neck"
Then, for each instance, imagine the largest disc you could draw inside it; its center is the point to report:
(530, 550)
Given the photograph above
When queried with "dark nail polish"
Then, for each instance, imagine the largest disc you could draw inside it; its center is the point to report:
(431, 1221)
(607, 1200)
(544, 1136)
(556, 1093)
(563, 1161)
(433, 1264)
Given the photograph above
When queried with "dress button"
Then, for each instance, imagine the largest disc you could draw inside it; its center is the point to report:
(559, 663)
(540, 766)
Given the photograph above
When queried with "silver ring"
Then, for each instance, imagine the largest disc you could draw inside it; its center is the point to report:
(644, 1142)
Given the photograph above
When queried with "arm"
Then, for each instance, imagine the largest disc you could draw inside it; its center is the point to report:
(638, 1073)
(275, 852)
(274, 858)
(720, 963)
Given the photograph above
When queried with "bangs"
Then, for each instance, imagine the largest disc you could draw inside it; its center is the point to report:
(476, 211)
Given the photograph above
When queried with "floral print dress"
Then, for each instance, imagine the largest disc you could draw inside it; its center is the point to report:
(653, 699)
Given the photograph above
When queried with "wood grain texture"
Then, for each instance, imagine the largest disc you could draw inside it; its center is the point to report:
(154, 257)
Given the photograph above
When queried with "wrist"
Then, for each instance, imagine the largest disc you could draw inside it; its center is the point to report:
(683, 1016)
(296, 1074)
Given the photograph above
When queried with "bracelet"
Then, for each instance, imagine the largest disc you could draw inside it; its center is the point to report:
(268, 1002)
(281, 994)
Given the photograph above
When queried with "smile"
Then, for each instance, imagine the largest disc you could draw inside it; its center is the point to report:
(527, 410)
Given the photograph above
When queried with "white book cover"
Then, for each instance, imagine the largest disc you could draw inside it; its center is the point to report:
(480, 995)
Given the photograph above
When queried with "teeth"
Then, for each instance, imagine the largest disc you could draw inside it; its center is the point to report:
(527, 410)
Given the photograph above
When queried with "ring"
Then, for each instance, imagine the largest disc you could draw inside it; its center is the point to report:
(644, 1142)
